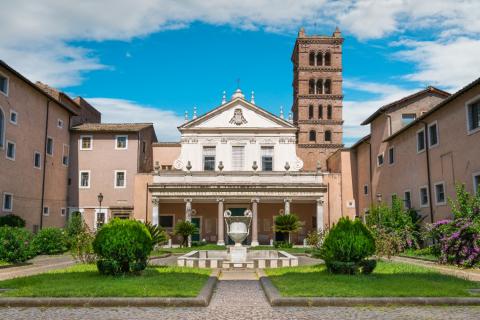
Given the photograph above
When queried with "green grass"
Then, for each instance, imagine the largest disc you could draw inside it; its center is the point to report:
(388, 280)
(419, 254)
(85, 281)
(289, 250)
(186, 249)
(5, 264)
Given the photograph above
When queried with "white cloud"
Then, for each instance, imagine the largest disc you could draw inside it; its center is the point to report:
(123, 111)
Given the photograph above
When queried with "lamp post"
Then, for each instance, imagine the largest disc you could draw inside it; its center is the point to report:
(100, 199)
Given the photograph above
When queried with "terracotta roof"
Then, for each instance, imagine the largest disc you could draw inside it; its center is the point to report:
(166, 144)
(356, 144)
(434, 109)
(382, 109)
(112, 127)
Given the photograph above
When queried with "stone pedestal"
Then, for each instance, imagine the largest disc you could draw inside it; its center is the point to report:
(238, 254)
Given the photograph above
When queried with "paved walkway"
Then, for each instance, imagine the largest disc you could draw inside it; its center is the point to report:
(39, 264)
(238, 296)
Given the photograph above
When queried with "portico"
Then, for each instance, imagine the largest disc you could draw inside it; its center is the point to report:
(206, 195)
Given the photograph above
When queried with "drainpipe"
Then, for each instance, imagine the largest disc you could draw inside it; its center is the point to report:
(429, 178)
(146, 203)
(42, 202)
(370, 171)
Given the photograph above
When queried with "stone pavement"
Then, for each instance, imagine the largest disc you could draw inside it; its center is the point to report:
(39, 264)
(238, 296)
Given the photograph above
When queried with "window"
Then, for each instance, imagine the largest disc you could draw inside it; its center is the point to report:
(121, 142)
(311, 86)
(328, 136)
(238, 157)
(46, 211)
(473, 116)
(319, 86)
(408, 118)
(310, 112)
(407, 199)
(391, 155)
(420, 140)
(424, 196)
(37, 160)
(2, 128)
(209, 158)
(50, 146)
(7, 202)
(328, 86)
(11, 150)
(65, 155)
(329, 112)
(120, 178)
(84, 179)
(267, 158)
(312, 136)
(60, 123)
(365, 189)
(311, 59)
(440, 193)
(433, 134)
(100, 218)
(320, 112)
(3, 84)
(166, 221)
(476, 182)
(328, 59)
(13, 117)
(86, 142)
(319, 59)
(380, 160)
(63, 212)
(144, 146)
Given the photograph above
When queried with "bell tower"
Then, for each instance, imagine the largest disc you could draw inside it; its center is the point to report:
(317, 96)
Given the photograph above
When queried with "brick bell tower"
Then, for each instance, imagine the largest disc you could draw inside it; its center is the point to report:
(317, 97)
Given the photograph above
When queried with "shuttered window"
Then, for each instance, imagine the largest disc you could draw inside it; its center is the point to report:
(238, 157)
(267, 158)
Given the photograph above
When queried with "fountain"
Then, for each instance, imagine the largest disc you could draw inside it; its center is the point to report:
(237, 256)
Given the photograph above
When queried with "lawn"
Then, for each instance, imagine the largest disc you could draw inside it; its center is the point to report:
(419, 254)
(4, 264)
(85, 281)
(389, 279)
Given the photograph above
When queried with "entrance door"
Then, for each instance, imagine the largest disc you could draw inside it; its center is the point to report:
(235, 213)
(198, 223)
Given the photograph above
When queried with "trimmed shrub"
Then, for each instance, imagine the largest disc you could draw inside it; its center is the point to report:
(12, 220)
(15, 244)
(122, 246)
(346, 247)
(282, 244)
(50, 241)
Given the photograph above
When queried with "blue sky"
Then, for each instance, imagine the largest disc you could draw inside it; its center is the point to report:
(153, 60)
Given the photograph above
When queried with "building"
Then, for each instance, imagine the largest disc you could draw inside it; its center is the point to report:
(419, 148)
(317, 96)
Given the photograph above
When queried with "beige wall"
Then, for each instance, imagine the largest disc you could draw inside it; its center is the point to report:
(19, 177)
(166, 153)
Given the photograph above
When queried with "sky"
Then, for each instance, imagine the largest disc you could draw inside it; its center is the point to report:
(150, 61)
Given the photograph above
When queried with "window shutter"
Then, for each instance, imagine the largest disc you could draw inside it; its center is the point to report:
(238, 157)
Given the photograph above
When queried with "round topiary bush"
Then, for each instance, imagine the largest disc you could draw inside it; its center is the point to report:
(12, 221)
(347, 246)
(50, 241)
(122, 246)
(15, 244)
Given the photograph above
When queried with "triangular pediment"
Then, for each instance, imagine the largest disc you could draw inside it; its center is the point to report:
(238, 114)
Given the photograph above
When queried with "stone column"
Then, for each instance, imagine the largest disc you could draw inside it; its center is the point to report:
(320, 214)
(188, 216)
(155, 211)
(255, 222)
(287, 205)
(221, 224)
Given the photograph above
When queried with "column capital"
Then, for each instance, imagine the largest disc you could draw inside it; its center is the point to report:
(187, 200)
(155, 201)
(255, 200)
(320, 201)
(287, 200)
(220, 200)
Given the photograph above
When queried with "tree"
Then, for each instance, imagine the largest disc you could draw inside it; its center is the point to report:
(185, 229)
(159, 235)
(287, 224)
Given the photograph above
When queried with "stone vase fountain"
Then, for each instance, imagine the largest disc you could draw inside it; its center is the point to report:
(238, 228)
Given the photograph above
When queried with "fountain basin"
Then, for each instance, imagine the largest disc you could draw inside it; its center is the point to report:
(223, 259)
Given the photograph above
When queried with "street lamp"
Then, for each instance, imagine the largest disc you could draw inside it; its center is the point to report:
(100, 213)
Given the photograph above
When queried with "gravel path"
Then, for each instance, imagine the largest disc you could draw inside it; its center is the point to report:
(37, 265)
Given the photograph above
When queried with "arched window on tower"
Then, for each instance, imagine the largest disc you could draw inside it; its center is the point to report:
(2, 128)
(328, 86)
(312, 136)
(320, 112)
(319, 59)
(328, 136)
(328, 59)
(311, 86)
(311, 59)
(310, 112)
(319, 86)
(329, 112)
